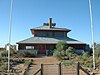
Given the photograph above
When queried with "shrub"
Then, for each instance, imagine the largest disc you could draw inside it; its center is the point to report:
(57, 55)
(85, 55)
(61, 45)
(67, 63)
(28, 54)
(97, 50)
(69, 51)
(59, 52)
(90, 65)
(50, 52)
(4, 53)
(20, 61)
(62, 51)
(28, 62)
(3, 67)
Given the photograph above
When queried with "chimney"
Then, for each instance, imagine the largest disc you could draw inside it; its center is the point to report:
(50, 22)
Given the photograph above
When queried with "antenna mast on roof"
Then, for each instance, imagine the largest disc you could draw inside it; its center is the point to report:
(92, 30)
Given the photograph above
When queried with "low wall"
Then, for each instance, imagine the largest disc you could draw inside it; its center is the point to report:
(31, 51)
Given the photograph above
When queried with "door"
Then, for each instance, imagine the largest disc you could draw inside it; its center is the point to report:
(41, 49)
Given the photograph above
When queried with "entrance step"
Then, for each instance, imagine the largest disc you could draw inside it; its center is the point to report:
(40, 55)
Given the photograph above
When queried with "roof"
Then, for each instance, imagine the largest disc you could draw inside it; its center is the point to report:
(46, 27)
(48, 40)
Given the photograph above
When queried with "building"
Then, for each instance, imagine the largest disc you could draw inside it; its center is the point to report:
(46, 37)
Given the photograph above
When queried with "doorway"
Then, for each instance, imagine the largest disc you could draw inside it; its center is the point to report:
(41, 49)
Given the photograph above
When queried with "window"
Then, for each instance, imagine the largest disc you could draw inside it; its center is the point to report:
(47, 34)
(29, 47)
(53, 34)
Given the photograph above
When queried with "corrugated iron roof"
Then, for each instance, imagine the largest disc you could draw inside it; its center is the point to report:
(48, 40)
(44, 27)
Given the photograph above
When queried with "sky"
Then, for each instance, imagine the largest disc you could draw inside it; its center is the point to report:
(70, 14)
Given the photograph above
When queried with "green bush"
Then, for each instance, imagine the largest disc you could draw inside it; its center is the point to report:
(3, 67)
(28, 54)
(62, 51)
(68, 62)
(70, 52)
(85, 55)
(89, 65)
(97, 50)
(59, 52)
(57, 55)
(28, 62)
(61, 45)
(85, 59)
(20, 61)
(4, 53)
(50, 52)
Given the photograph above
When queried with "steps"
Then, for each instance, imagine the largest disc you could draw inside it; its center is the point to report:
(40, 55)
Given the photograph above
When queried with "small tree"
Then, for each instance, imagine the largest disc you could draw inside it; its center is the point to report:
(4, 53)
(62, 51)
(70, 51)
(59, 52)
(85, 55)
(61, 45)
(97, 50)
(28, 54)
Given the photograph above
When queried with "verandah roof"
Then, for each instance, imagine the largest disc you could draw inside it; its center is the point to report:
(48, 40)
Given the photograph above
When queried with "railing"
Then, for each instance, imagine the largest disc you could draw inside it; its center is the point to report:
(80, 68)
(37, 71)
(59, 69)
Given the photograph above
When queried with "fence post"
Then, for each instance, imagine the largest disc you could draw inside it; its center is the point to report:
(41, 69)
(59, 68)
(78, 67)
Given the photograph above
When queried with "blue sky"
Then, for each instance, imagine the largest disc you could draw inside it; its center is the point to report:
(27, 14)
